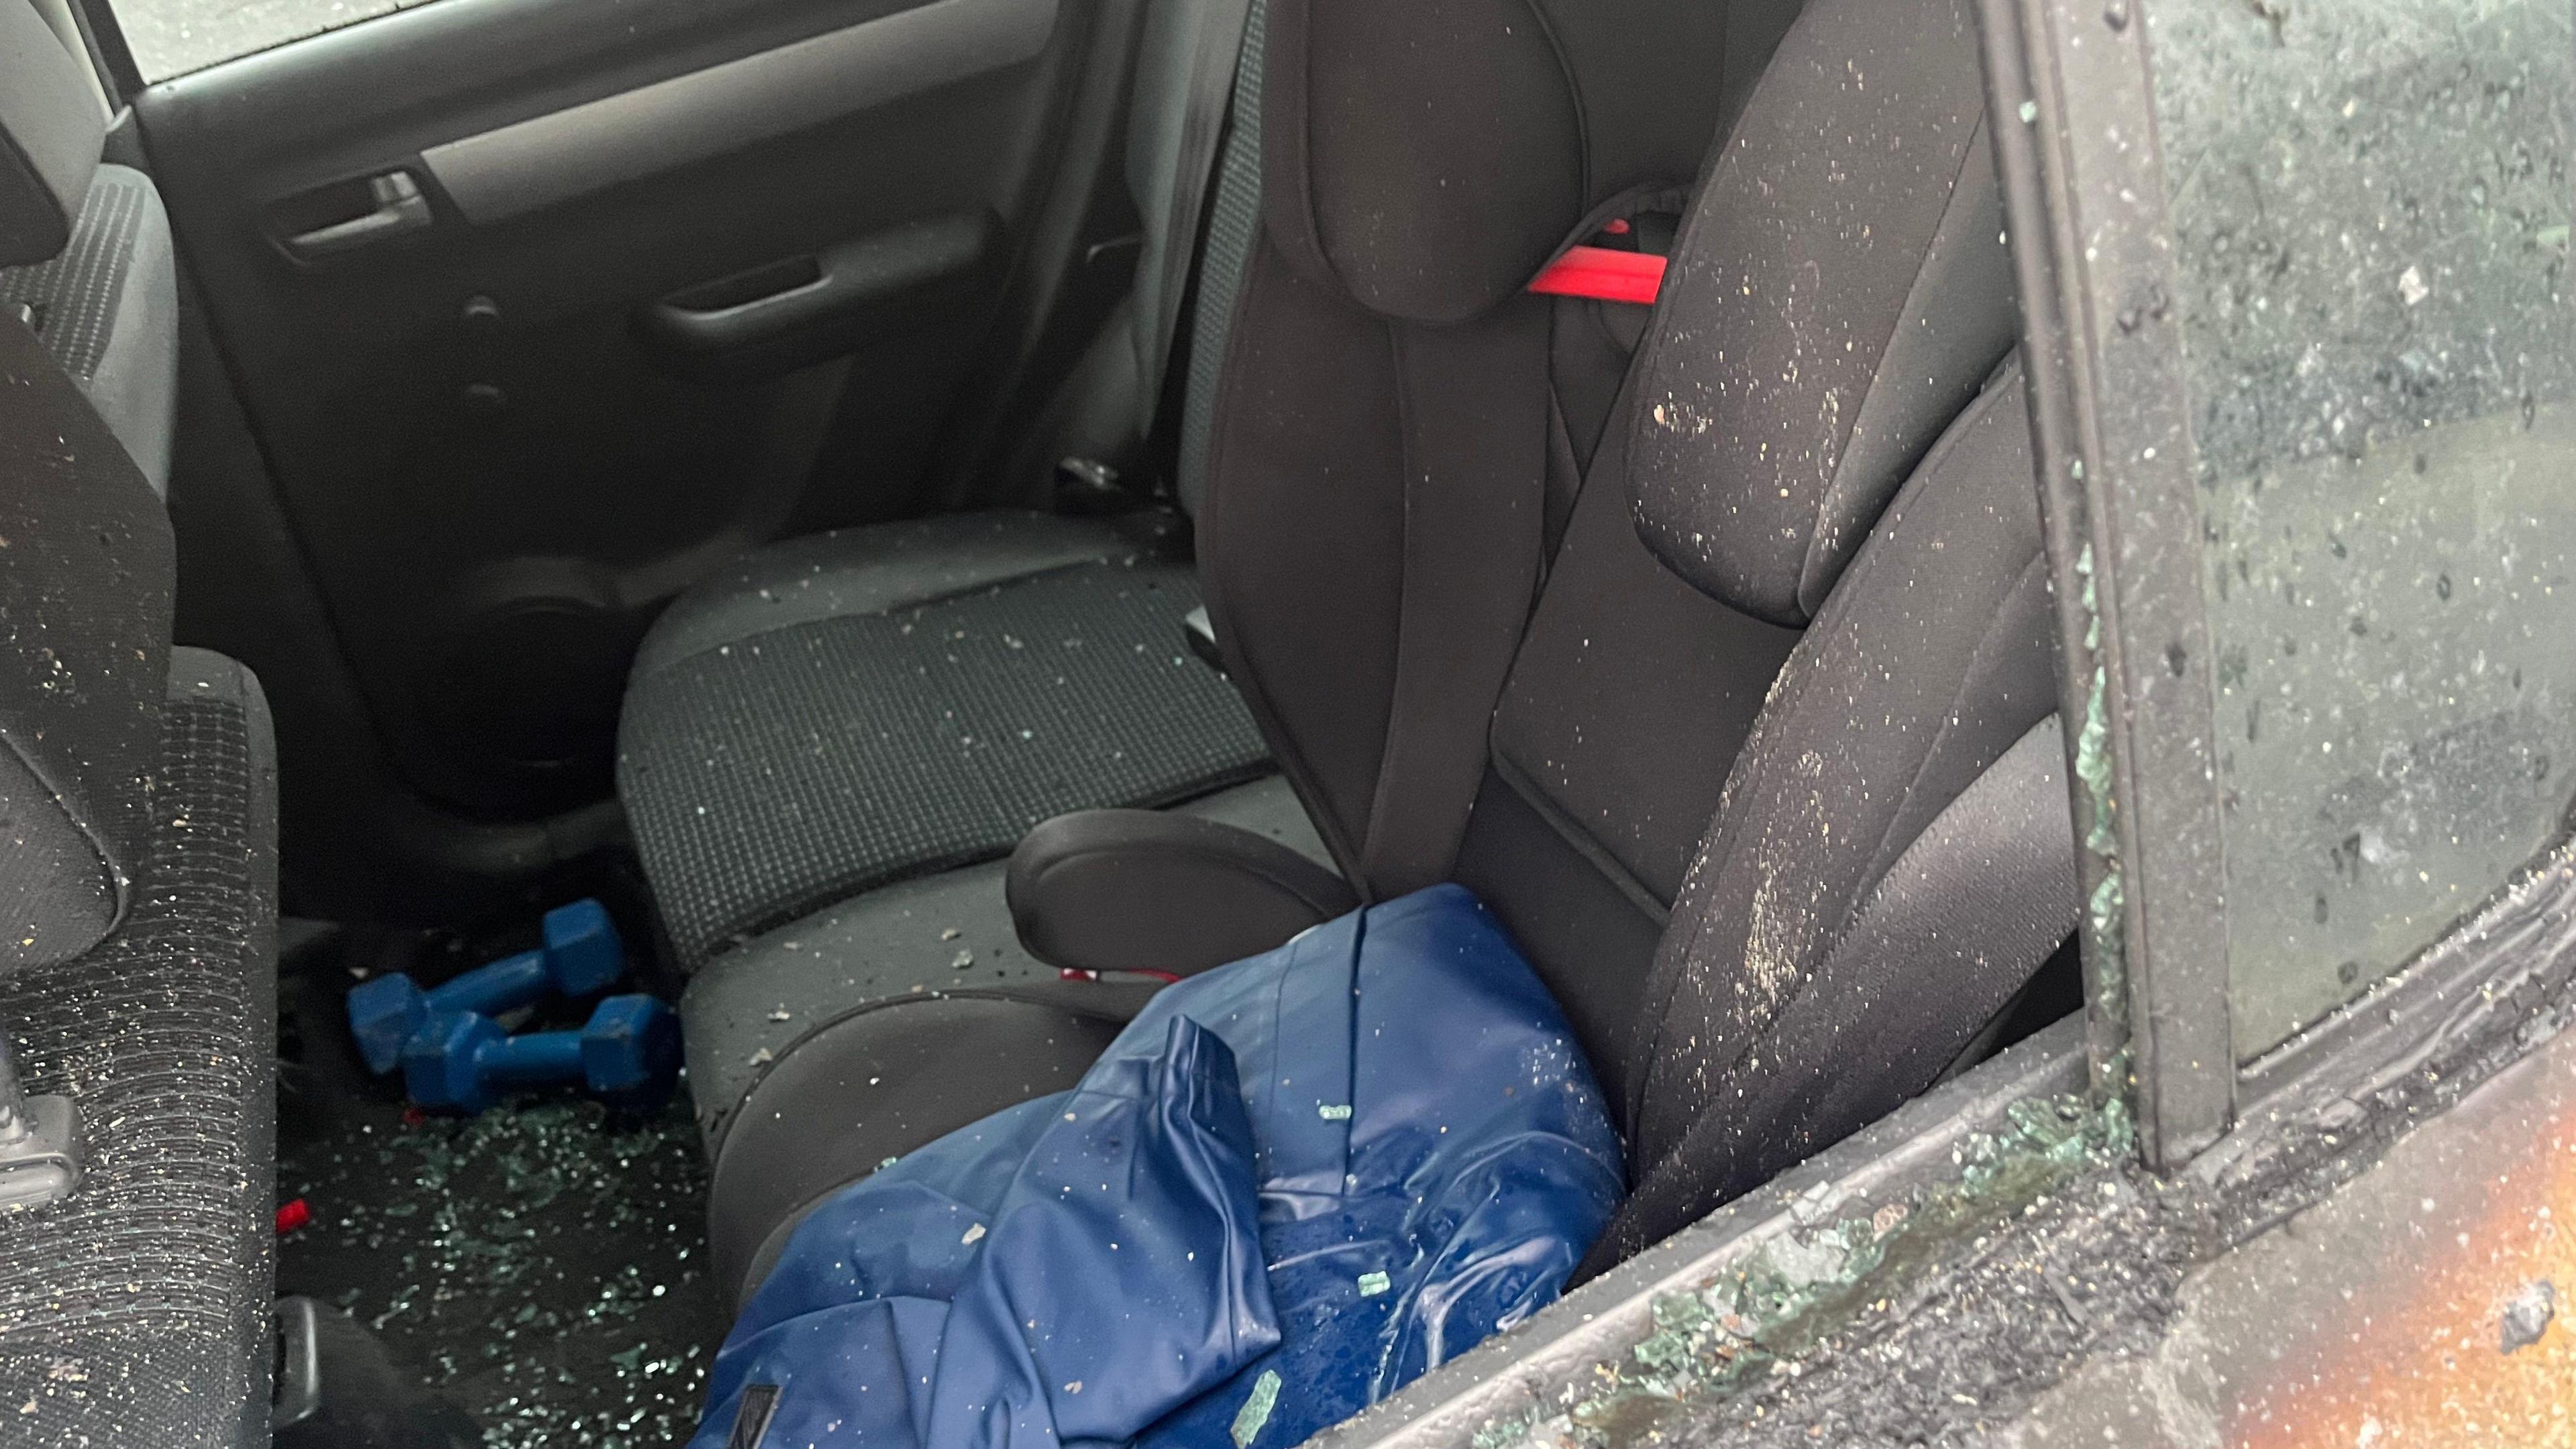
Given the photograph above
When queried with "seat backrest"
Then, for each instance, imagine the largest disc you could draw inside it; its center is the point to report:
(1840, 293)
(87, 569)
(86, 257)
(1826, 444)
(1400, 427)
(1764, 781)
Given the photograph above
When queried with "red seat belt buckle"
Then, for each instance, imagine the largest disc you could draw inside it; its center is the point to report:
(1603, 275)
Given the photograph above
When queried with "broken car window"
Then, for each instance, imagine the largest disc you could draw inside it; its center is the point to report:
(2370, 200)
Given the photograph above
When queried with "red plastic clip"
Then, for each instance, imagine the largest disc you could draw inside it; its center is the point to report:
(292, 1216)
(1604, 275)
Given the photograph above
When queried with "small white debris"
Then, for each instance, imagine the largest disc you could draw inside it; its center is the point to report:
(974, 1234)
(1373, 1284)
(963, 960)
(951, 934)
(763, 1057)
(2410, 285)
(782, 1014)
(1074, 1388)
(1334, 1111)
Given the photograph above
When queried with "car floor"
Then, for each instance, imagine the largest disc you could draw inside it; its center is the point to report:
(540, 1268)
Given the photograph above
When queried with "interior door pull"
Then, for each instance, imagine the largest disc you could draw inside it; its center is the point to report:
(399, 208)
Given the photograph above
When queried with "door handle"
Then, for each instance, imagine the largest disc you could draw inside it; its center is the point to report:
(398, 208)
(789, 314)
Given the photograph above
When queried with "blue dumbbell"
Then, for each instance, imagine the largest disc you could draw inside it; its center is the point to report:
(582, 954)
(628, 1056)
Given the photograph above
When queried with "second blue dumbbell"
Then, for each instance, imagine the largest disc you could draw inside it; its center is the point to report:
(582, 954)
(628, 1056)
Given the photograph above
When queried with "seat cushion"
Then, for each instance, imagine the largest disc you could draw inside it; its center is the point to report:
(869, 571)
(846, 712)
(804, 1079)
(886, 1078)
(137, 1310)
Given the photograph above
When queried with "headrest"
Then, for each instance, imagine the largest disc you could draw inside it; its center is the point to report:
(51, 129)
(1839, 293)
(1427, 158)
(84, 660)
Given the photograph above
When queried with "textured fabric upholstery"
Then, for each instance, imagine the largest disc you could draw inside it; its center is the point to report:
(775, 1027)
(1768, 1003)
(1427, 159)
(107, 308)
(1849, 247)
(946, 931)
(792, 768)
(1233, 224)
(1395, 414)
(155, 1278)
(1188, 61)
(869, 571)
(85, 610)
(839, 751)
(888, 1076)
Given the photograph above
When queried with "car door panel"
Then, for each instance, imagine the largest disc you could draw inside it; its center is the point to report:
(542, 309)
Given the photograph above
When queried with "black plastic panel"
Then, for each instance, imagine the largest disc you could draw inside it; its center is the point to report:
(550, 159)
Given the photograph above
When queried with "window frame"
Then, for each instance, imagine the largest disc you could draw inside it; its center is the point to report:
(2084, 200)
(2070, 85)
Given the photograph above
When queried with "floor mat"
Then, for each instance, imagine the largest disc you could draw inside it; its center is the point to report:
(539, 1266)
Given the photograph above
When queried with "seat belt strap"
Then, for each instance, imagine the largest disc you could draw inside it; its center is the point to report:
(1213, 51)
(1604, 275)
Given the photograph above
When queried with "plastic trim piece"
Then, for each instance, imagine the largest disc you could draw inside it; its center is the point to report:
(557, 157)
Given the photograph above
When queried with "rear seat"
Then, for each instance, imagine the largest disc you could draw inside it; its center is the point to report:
(1770, 789)
(1411, 547)
(137, 967)
(852, 708)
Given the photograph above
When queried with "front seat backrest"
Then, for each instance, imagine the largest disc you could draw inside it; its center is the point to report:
(1839, 294)
(86, 570)
(1892, 855)
(1376, 517)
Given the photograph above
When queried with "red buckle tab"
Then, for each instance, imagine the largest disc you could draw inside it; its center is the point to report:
(1603, 275)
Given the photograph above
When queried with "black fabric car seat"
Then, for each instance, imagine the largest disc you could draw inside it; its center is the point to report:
(1771, 795)
(1772, 791)
(844, 710)
(137, 888)
(1607, 102)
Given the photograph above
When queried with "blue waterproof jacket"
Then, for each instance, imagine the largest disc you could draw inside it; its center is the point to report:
(1291, 1186)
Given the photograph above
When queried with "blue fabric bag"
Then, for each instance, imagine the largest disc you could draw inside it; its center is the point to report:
(1291, 1186)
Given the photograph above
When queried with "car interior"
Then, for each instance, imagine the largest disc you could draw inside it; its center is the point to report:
(824, 553)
